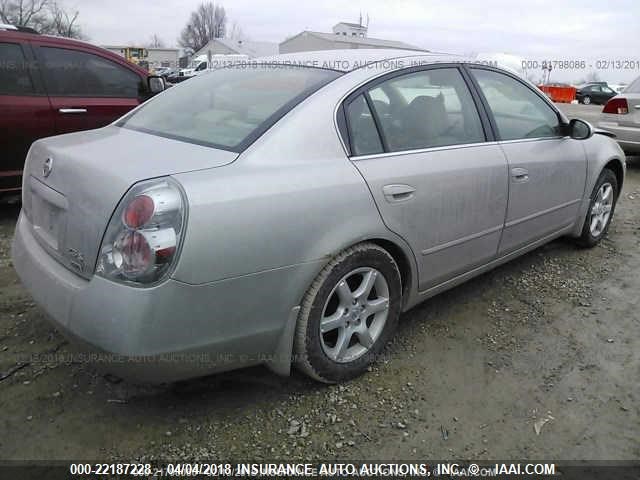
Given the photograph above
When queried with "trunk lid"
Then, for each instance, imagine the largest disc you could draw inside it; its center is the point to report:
(632, 119)
(70, 206)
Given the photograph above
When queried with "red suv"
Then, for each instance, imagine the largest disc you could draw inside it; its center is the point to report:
(51, 85)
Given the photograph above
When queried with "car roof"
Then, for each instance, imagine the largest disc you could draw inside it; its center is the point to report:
(351, 59)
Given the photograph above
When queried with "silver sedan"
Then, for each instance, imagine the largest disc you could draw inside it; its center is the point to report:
(621, 116)
(285, 212)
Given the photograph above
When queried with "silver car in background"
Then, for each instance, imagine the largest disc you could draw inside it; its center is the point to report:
(621, 116)
(286, 212)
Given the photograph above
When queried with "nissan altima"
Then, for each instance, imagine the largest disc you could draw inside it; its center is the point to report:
(286, 211)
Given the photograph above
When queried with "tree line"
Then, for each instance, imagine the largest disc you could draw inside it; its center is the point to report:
(50, 17)
(45, 16)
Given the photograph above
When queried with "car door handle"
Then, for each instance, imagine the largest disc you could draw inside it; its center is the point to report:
(72, 110)
(398, 193)
(520, 174)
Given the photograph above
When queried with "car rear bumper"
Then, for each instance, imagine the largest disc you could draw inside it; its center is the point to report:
(168, 332)
(627, 137)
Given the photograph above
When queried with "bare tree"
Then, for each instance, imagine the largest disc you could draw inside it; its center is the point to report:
(64, 24)
(155, 42)
(45, 16)
(209, 21)
(235, 32)
(27, 13)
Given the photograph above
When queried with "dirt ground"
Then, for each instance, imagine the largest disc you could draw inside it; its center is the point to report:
(551, 339)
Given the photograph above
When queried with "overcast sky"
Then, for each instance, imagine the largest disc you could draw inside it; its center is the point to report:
(532, 29)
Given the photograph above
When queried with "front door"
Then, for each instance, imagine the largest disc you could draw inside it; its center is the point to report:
(87, 91)
(418, 141)
(547, 171)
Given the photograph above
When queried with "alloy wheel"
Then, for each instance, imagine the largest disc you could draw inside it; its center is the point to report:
(601, 209)
(354, 314)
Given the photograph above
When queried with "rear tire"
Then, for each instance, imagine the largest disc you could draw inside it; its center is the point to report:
(348, 315)
(601, 209)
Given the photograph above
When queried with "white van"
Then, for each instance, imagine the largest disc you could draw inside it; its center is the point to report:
(201, 63)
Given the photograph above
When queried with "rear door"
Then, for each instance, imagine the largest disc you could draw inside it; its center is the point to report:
(547, 171)
(25, 112)
(87, 90)
(596, 94)
(418, 140)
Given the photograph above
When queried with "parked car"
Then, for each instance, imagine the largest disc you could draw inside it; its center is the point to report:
(163, 72)
(51, 85)
(597, 93)
(295, 210)
(618, 88)
(173, 77)
(621, 116)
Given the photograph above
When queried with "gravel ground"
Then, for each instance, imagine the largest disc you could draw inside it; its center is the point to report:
(537, 359)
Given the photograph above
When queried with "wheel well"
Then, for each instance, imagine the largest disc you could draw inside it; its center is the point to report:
(401, 260)
(615, 166)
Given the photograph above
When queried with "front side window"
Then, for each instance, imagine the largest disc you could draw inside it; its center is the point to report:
(430, 108)
(228, 107)
(81, 74)
(519, 113)
(14, 72)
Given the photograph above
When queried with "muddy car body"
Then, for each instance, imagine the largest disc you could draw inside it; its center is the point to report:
(305, 225)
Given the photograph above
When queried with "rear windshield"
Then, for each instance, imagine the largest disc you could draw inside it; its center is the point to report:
(228, 108)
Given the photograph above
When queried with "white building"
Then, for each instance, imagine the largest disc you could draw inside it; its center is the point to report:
(347, 29)
(227, 46)
(345, 36)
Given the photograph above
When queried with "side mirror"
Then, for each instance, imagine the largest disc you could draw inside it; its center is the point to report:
(579, 129)
(156, 84)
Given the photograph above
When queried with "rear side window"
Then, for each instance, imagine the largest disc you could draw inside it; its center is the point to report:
(230, 107)
(519, 113)
(79, 74)
(14, 72)
(424, 109)
(362, 128)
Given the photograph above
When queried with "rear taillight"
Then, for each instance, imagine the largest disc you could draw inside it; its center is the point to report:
(138, 212)
(616, 106)
(141, 242)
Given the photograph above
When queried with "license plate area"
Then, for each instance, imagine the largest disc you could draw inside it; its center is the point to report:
(48, 213)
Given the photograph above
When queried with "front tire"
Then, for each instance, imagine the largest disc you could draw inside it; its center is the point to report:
(601, 208)
(348, 314)
(586, 100)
